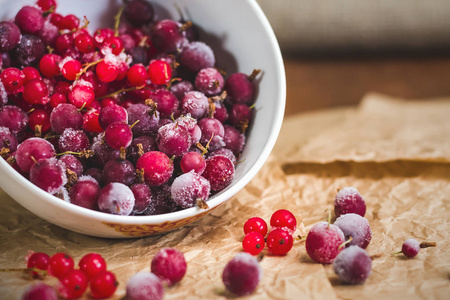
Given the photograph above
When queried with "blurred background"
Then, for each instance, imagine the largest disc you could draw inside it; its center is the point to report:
(336, 51)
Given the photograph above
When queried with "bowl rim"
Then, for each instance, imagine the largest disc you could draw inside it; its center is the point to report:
(215, 200)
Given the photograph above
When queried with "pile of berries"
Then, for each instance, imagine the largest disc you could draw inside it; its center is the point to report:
(280, 238)
(343, 243)
(72, 282)
(130, 120)
(168, 267)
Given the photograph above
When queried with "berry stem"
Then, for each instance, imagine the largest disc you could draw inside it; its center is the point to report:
(345, 243)
(117, 20)
(83, 153)
(254, 74)
(202, 204)
(121, 91)
(427, 244)
(86, 67)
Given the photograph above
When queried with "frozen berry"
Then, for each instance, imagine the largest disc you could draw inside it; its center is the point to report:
(145, 286)
(170, 265)
(356, 227)
(348, 200)
(323, 242)
(242, 274)
(353, 265)
(40, 291)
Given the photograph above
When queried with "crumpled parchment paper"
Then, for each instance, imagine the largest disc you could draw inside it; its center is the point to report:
(396, 153)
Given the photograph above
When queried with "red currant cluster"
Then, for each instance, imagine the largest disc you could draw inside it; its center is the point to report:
(279, 240)
(72, 282)
(168, 267)
(138, 110)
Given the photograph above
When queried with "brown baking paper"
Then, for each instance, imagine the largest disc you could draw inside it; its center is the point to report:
(405, 199)
(382, 129)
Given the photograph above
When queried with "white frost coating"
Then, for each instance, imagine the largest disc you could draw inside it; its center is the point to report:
(189, 187)
(68, 135)
(63, 62)
(65, 194)
(249, 260)
(87, 178)
(3, 94)
(115, 60)
(224, 152)
(82, 82)
(353, 265)
(195, 103)
(145, 286)
(5, 130)
(413, 243)
(346, 191)
(355, 226)
(116, 198)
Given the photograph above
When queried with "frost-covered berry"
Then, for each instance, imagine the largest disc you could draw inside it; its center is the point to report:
(348, 200)
(145, 286)
(242, 274)
(189, 187)
(49, 174)
(116, 198)
(219, 172)
(40, 291)
(170, 265)
(410, 248)
(323, 241)
(357, 227)
(353, 265)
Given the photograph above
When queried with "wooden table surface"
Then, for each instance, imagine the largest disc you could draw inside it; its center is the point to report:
(314, 84)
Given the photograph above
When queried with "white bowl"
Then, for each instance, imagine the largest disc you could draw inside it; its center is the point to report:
(243, 40)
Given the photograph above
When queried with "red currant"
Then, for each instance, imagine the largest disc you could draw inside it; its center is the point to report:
(103, 285)
(46, 5)
(279, 241)
(82, 95)
(84, 43)
(92, 264)
(63, 87)
(56, 19)
(73, 284)
(60, 264)
(63, 42)
(39, 261)
(39, 116)
(35, 91)
(70, 69)
(31, 73)
(255, 224)
(106, 72)
(90, 121)
(159, 72)
(253, 243)
(115, 44)
(107, 101)
(70, 22)
(137, 75)
(13, 79)
(283, 218)
(101, 35)
(57, 98)
(49, 65)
